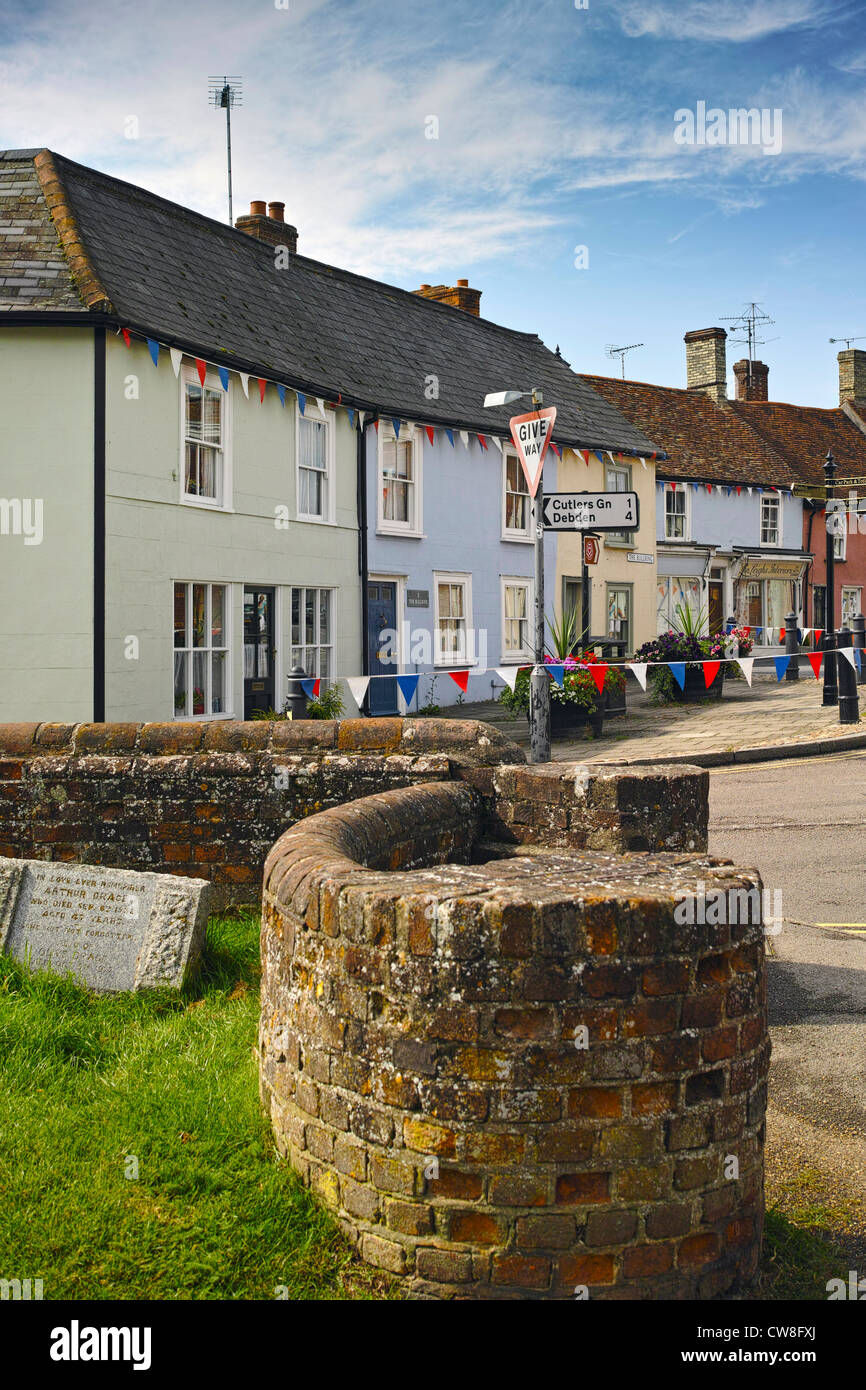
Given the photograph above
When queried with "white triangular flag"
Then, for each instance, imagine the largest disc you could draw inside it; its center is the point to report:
(768, 633)
(610, 456)
(508, 674)
(848, 653)
(176, 358)
(745, 664)
(639, 670)
(245, 383)
(806, 631)
(643, 462)
(498, 442)
(362, 415)
(749, 491)
(321, 404)
(358, 686)
(464, 435)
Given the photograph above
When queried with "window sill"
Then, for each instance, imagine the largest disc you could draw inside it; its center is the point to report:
(619, 545)
(519, 539)
(200, 718)
(398, 531)
(203, 506)
(316, 520)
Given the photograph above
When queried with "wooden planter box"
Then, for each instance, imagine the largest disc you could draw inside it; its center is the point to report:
(566, 718)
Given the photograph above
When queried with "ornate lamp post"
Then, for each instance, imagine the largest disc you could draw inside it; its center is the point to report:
(831, 685)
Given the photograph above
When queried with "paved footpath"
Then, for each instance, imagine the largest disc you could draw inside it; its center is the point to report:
(744, 726)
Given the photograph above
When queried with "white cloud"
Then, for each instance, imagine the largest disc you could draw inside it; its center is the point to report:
(723, 21)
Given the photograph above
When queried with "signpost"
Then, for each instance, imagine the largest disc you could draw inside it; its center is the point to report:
(531, 434)
(591, 511)
(591, 550)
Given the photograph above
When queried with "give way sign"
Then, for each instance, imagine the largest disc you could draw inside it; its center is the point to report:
(531, 434)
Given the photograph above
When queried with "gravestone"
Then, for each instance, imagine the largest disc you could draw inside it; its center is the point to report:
(115, 929)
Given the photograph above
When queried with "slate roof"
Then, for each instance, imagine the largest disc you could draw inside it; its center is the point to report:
(33, 271)
(199, 284)
(702, 440)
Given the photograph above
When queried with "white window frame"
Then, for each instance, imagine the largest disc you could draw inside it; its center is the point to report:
(228, 645)
(523, 536)
(850, 589)
(771, 497)
(440, 661)
(189, 376)
(304, 646)
(524, 654)
(682, 490)
(840, 536)
(400, 528)
(619, 539)
(313, 413)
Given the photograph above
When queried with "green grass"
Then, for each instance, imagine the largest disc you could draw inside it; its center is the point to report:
(170, 1079)
(88, 1081)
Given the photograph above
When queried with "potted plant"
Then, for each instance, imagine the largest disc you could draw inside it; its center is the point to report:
(685, 643)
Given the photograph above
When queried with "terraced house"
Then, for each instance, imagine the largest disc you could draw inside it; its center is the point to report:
(222, 460)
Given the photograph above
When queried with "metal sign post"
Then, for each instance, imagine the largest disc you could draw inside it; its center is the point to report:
(531, 435)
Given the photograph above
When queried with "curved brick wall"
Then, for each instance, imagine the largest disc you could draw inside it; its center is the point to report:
(209, 799)
(421, 1057)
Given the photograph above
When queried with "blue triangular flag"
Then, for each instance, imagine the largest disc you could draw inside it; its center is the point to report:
(351, 416)
(281, 392)
(781, 664)
(224, 377)
(758, 630)
(695, 487)
(857, 657)
(408, 685)
(302, 401)
(679, 670)
(558, 673)
(308, 687)
(450, 434)
(599, 455)
(396, 423)
(154, 350)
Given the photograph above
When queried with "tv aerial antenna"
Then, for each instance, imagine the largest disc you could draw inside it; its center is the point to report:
(751, 322)
(848, 341)
(224, 93)
(620, 352)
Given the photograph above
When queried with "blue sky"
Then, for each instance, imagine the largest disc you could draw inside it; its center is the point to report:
(555, 131)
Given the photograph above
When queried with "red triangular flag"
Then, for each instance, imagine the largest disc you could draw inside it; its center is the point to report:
(709, 487)
(125, 332)
(739, 490)
(598, 670)
(817, 633)
(815, 659)
(376, 426)
(781, 634)
(585, 453)
(482, 441)
(460, 678)
(429, 432)
(262, 388)
(201, 367)
(711, 670)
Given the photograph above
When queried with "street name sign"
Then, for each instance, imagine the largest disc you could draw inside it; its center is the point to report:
(531, 434)
(591, 511)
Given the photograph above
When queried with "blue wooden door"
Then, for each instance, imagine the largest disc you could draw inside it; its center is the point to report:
(381, 615)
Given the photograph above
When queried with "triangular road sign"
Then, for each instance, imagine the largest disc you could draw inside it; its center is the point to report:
(531, 434)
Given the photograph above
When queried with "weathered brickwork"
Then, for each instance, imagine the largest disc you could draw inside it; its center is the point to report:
(515, 1076)
(209, 800)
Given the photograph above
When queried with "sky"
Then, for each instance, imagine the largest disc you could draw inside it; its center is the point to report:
(537, 149)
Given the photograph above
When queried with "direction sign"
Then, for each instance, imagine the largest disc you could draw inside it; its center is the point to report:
(531, 434)
(591, 511)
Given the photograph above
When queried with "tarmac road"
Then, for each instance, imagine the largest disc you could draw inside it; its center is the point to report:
(802, 823)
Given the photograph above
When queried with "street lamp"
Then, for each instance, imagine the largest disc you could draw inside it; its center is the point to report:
(831, 682)
(539, 682)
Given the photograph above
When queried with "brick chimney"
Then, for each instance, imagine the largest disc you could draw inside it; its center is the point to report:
(459, 296)
(852, 376)
(270, 228)
(705, 363)
(751, 378)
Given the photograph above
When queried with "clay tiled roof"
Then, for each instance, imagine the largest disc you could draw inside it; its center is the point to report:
(703, 440)
(803, 434)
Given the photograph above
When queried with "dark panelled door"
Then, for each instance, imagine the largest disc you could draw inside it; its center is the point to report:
(259, 651)
(715, 616)
(381, 615)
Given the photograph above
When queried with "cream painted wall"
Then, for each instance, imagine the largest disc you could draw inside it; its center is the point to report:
(46, 589)
(614, 566)
(153, 539)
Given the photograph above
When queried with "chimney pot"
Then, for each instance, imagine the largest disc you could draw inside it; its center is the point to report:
(257, 209)
(459, 296)
(425, 287)
(277, 211)
(463, 282)
(751, 378)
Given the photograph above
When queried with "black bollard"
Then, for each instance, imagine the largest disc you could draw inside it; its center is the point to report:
(858, 628)
(792, 647)
(849, 701)
(296, 702)
(830, 694)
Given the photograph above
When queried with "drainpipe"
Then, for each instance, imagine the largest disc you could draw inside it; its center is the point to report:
(99, 524)
(361, 448)
(813, 509)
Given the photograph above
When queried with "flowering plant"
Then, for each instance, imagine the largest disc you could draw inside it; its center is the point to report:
(743, 638)
(679, 646)
(578, 684)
